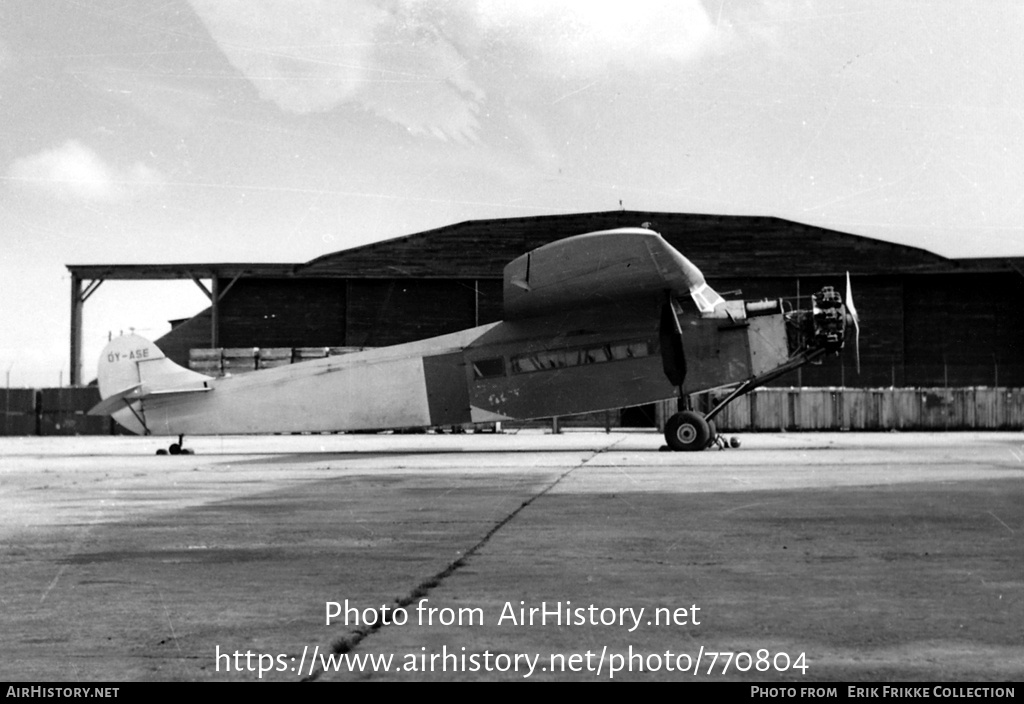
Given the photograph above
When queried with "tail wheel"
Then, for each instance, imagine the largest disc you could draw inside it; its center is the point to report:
(687, 432)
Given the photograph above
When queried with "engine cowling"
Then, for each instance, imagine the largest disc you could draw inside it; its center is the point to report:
(820, 327)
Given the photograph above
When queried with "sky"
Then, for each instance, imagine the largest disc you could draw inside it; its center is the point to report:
(282, 130)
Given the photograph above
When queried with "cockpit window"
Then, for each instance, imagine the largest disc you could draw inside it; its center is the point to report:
(706, 298)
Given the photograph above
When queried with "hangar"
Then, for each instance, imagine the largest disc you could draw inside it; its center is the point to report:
(927, 320)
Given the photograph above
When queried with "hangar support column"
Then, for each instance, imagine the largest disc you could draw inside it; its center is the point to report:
(78, 299)
(76, 331)
(215, 294)
(215, 311)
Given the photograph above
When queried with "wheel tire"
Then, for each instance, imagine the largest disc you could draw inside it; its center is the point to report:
(174, 449)
(734, 442)
(687, 432)
(161, 451)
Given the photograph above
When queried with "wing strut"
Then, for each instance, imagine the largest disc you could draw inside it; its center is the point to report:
(141, 419)
(756, 381)
(673, 356)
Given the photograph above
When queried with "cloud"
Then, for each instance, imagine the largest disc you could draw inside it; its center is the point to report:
(305, 57)
(6, 57)
(75, 171)
(581, 38)
(314, 56)
(424, 81)
(416, 62)
(174, 103)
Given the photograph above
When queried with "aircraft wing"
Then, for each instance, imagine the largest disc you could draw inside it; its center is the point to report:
(598, 268)
(130, 395)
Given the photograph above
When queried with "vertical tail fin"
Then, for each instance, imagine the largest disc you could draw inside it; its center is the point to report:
(131, 368)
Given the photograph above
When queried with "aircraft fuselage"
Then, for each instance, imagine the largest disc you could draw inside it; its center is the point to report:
(598, 358)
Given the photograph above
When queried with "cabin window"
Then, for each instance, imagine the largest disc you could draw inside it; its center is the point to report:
(629, 350)
(579, 356)
(489, 368)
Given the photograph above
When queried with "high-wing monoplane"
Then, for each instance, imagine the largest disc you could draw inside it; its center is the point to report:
(593, 322)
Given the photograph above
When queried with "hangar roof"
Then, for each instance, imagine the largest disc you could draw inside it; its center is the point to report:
(721, 245)
(137, 272)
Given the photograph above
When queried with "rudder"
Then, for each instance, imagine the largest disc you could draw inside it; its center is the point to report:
(131, 363)
(118, 367)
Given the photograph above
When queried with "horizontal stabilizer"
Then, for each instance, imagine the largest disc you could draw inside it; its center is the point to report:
(131, 369)
(128, 396)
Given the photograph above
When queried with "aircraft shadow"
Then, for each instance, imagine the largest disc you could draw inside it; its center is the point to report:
(297, 457)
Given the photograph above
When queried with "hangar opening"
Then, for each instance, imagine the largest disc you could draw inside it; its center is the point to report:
(928, 321)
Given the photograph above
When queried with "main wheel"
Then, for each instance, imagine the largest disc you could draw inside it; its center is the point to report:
(687, 432)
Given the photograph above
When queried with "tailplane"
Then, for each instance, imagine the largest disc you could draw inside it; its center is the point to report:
(132, 369)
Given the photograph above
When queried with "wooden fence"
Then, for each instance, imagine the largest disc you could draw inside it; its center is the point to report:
(62, 411)
(970, 408)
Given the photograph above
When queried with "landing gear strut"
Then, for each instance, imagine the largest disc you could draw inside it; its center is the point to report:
(176, 448)
(688, 431)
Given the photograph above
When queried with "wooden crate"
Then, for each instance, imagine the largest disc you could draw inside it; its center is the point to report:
(206, 361)
(335, 351)
(270, 357)
(301, 354)
(240, 359)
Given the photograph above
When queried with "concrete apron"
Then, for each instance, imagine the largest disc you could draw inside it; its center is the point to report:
(876, 556)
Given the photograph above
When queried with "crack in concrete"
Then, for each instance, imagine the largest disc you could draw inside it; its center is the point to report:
(347, 643)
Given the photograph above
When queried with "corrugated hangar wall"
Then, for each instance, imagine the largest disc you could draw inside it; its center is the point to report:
(926, 320)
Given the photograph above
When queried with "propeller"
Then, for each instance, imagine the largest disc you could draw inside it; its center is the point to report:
(852, 312)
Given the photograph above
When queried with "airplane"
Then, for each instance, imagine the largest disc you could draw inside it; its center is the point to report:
(593, 322)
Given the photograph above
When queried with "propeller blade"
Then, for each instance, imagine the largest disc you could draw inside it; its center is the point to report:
(852, 310)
